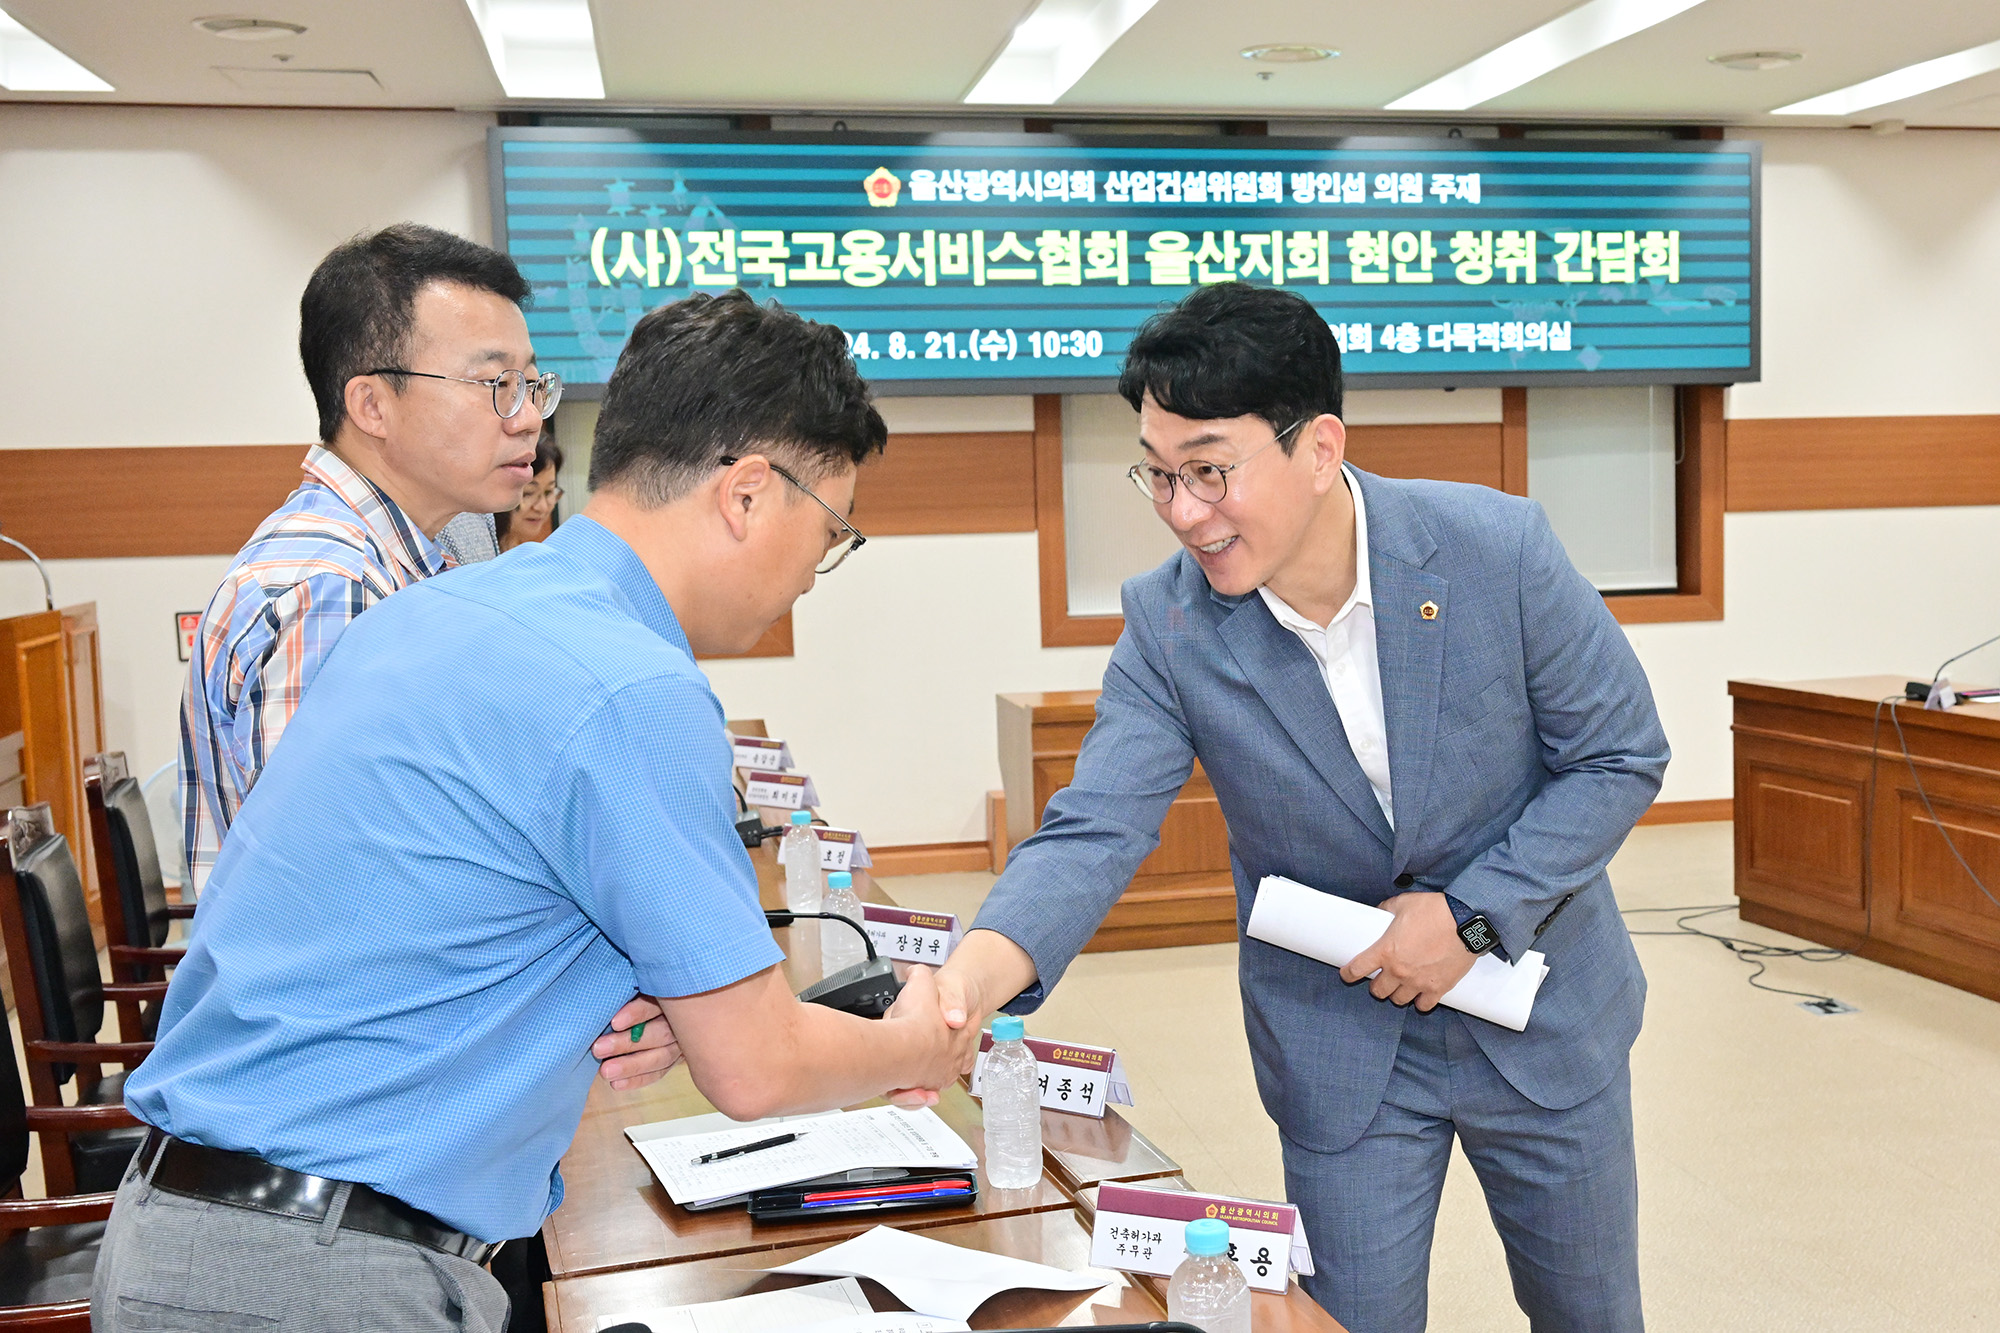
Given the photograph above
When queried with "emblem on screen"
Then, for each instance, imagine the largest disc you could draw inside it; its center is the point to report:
(882, 186)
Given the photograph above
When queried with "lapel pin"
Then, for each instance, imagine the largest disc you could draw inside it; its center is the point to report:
(1429, 610)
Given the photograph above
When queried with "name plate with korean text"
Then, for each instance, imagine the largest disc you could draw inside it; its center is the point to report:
(839, 848)
(1074, 1077)
(913, 937)
(1141, 1230)
(759, 754)
(783, 791)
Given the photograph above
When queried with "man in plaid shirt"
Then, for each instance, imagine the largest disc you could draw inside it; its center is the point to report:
(415, 346)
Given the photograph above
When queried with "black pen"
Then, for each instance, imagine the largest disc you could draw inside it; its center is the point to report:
(758, 1146)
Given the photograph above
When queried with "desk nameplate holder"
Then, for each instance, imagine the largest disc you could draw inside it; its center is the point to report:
(1076, 1078)
(911, 937)
(839, 848)
(781, 791)
(757, 754)
(1140, 1230)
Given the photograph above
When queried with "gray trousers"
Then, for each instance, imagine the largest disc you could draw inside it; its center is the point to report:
(1562, 1187)
(170, 1262)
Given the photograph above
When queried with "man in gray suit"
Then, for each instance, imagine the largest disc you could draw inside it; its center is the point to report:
(1405, 694)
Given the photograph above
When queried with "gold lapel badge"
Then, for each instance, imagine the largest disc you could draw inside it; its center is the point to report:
(1429, 610)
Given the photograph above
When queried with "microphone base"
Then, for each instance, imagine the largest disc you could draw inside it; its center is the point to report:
(866, 989)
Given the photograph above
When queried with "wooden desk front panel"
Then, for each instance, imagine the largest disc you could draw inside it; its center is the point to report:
(1833, 840)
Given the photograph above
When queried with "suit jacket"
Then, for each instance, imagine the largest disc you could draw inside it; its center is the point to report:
(1523, 746)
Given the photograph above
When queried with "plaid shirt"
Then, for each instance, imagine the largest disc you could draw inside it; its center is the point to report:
(337, 546)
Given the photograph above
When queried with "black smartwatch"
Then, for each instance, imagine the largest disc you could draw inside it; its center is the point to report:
(1478, 933)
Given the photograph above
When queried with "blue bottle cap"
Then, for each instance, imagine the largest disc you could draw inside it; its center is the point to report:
(840, 879)
(1207, 1236)
(802, 816)
(1008, 1027)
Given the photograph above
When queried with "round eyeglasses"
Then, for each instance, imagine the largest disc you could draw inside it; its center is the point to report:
(1206, 482)
(511, 388)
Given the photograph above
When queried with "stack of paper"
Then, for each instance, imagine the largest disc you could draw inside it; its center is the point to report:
(1333, 930)
(824, 1307)
(880, 1137)
(934, 1278)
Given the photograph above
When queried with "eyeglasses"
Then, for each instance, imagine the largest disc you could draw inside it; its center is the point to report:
(552, 495)
(511, 388)
(845, 546)
(1206, 482)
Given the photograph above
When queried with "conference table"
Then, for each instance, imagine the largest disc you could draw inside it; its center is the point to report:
(619, 1245)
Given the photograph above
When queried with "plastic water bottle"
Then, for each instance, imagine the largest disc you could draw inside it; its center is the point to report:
(1208, 1289)
(802, 877)
(1012, 1097)
(838, 946)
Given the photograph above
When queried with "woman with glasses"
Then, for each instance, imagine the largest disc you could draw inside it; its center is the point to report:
(537, 515)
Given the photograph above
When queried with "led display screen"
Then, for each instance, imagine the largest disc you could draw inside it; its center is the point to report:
(988, 263)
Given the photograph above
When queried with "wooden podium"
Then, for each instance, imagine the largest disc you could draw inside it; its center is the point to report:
(51, 717)
(1183, 892)
(1834, 841)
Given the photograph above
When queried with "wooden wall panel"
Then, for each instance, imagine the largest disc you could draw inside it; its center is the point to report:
(962, 482)
(1863, 462)
(81, 504)
(1453, 452)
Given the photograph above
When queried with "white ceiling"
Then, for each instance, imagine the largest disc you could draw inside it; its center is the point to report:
(923, 55)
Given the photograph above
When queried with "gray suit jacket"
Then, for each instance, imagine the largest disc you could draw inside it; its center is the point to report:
(1523, 746)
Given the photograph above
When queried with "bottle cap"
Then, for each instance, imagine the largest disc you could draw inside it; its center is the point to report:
(1008, 1027)
(840, 879)
(802, 816)
(1207, 1236)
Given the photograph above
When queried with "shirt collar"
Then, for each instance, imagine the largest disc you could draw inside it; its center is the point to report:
(1363, 594)
(404, 542)
(592, 544)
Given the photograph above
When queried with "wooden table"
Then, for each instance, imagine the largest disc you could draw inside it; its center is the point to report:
(1833, 839)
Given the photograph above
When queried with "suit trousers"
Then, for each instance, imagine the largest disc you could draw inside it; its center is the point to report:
(171, 1262)
(1562, 1188)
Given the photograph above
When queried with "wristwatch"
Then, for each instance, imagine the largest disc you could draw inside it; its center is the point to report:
(1478, 933)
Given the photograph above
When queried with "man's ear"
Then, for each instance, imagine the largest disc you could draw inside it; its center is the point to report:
(741, 488)
(1326, 436)
(366, 397)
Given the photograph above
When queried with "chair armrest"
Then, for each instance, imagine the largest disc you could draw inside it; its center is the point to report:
(61, 1211)
(70, 1119)
(180, 911)
(127, 953)
(127, 1053)
(135, 990)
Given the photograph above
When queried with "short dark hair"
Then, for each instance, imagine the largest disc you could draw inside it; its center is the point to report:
(713, 375)
(1234, 350)
(360, 304)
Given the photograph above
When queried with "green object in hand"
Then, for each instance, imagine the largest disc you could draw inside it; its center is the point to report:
(638, 1031)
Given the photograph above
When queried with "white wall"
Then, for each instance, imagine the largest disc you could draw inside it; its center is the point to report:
(169, 249)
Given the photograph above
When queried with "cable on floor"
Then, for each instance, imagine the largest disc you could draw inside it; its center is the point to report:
(1749, 951)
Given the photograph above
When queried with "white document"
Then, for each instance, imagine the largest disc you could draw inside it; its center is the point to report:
(767, 1311)
(934, 1278)
(882, 1136)
(1333, 930)
(892, 1321)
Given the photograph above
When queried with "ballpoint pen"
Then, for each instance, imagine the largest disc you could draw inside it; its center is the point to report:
(758, 1146)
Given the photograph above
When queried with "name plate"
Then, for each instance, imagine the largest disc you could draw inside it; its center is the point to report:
(1145, 1231)
(913, 937)
(1075, 1078)
(784, 791)
(839, 848)
(757, 754)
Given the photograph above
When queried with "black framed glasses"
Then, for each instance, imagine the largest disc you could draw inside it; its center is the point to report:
(511, 388)
(1206, 482)
(839, 548)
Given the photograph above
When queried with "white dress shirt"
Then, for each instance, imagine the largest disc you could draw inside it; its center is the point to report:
(1345, 651)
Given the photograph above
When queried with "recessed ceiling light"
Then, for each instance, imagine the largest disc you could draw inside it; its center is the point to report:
(1288, 53)
(1588, 27)
(30, 65)
(1053, 47)
(249, 30)
(1898, 84)
(541, 48)
(1756, 61)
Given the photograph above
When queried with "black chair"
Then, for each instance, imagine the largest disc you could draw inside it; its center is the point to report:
(48, 1247)
(59, 996)
(132, 890)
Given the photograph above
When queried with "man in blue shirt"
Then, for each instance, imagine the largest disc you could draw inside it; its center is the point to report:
(435, 898)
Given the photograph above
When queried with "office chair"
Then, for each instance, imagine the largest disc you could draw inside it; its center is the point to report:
(133, 891)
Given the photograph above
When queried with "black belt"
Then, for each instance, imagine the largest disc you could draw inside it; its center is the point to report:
(243, 1181)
